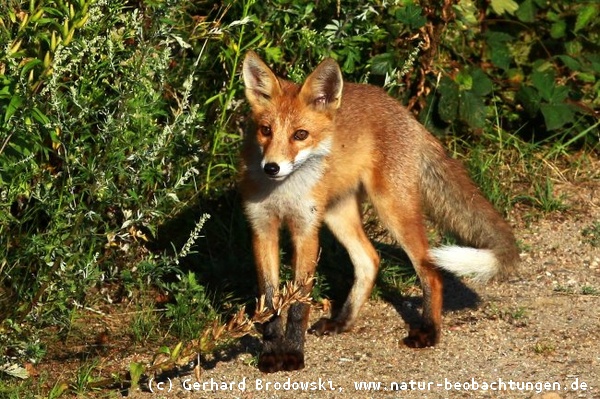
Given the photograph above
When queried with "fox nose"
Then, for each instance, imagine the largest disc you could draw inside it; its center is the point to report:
(271, 169)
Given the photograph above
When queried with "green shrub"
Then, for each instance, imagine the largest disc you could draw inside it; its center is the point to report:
(101, 144)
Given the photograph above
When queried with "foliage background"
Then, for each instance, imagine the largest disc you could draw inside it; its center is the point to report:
(120, 123)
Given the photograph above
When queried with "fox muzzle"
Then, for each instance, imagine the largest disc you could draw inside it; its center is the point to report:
(271, 169)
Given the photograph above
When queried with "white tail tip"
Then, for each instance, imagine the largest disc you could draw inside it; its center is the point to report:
(478, 264)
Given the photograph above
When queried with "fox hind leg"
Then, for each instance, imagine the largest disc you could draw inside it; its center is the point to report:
(404, 219)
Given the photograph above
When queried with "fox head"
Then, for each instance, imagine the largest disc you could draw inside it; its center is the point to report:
(294, 123)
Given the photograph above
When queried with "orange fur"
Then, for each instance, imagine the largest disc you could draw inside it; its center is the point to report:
(315, 149)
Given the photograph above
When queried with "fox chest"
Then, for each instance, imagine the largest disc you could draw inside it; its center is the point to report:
(293, 202)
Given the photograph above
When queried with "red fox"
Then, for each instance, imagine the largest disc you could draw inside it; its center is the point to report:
(314, 152)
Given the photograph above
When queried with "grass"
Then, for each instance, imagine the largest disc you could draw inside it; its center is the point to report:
(591, 234)
(144, 324)
(544, 348)
(510, 171)
(120, 127)
(516, 316)
(84, 376)
(584, 290)
(590, 290)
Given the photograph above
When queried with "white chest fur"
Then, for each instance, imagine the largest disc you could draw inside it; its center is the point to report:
(289, 199)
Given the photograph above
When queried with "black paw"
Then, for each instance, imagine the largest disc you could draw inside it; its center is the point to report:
(326, 326)
(422, 337)
(287, 361)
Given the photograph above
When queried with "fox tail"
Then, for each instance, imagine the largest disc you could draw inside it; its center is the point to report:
(456, 205)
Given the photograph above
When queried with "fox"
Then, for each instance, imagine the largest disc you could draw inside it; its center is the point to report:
(311, 156)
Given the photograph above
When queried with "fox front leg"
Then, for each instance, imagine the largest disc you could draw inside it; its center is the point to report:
(304, 263)
(265, 242)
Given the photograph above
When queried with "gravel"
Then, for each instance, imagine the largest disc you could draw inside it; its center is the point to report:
(534, 336)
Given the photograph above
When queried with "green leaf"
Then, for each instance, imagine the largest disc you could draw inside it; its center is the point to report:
(467, 13)
(527, 11)
(39, 116)
(29, 66)
(594, 60)
(464, 80)
(529, 98)
(552, 16)
(574, 48)
(411, 15)
(448, 104)
(15, 103)
(502, 6)
(498, 49)
(558, 29)
(570, 62)
(556, 115)
(544, 83)
(5, 92)
(21, 146)
(176, 350)
(381, 63)
(559, 94)
(586, 15)
(165, 350)
(482, 85)
(472, 109)
(587, 77)
(273, 54)
(136, 370)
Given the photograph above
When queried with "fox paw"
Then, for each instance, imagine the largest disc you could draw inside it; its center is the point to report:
(271, 362)
(422, 337)
(326, 326)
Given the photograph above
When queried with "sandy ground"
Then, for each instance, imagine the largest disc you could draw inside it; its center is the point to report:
(534, 336)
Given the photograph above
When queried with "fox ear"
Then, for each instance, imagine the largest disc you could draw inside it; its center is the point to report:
(261, 83)
(323, 87)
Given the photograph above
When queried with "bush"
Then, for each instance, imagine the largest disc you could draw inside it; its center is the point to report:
(101, 146)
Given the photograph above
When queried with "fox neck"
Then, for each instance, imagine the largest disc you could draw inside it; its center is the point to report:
(289, 197)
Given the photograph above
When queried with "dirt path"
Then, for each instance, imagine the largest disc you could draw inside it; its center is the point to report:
(537, 335)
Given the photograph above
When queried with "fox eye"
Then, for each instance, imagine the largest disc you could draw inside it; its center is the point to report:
(300, 135)
(265, 130)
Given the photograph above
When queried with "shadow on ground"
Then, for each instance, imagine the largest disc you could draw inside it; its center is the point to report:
(222, 258)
